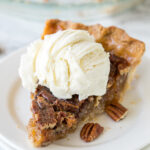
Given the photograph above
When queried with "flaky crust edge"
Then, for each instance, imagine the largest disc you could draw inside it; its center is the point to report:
(113, 39)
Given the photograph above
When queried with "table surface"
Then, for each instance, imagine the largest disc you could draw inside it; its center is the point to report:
(17, 32)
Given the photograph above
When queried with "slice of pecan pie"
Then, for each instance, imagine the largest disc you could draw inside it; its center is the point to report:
(54, 118)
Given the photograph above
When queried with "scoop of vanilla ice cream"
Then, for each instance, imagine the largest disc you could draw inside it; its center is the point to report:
(68, 62)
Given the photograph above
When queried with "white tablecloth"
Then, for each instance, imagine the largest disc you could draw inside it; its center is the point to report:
(16, 32)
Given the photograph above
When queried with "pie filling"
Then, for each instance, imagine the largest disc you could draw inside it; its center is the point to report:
(54, 118)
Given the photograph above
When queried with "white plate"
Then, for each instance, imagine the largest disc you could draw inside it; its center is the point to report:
(129, 134)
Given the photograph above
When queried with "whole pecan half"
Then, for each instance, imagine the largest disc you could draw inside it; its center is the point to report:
(116, 111)
(90, 131)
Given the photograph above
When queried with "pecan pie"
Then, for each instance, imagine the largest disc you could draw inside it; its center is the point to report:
(54, 118)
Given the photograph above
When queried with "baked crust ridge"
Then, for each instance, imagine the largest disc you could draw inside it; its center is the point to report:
(113, 39)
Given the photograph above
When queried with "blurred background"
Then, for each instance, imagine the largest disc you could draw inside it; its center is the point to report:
(22, 21)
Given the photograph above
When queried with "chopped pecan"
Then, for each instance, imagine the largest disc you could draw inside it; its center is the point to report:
(45, 118)
(65, 106)
(60, 116)
(90, 131)
(47, 95)
(71, 120)
(116, 111)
